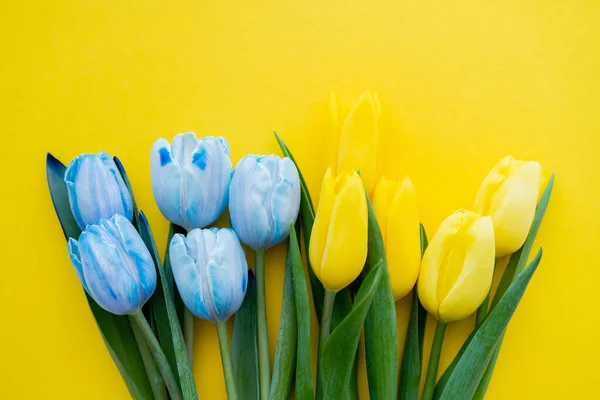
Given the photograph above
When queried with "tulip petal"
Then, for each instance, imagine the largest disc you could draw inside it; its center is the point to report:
(248, 192)
(227, 286)
(402, 240)
(76, 261)
(435, 255)
(513, 207)
(187, 275)
(111, 285)
(346, 245)
(166, 181)
(208, 176)
(285, 201)
(137, 250)
(474, 280)
(320, 228)
(183, 146)
(358, 144)
(126, 199)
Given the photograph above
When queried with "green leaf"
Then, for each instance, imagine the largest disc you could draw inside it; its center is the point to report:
(285, 355)
(381, 338)
(115, 329)
(123, 173)
(343, 299)
(244, 345)
(410, 373)
(337, 359)
(304, 388)
(184, 369)
(470, 368)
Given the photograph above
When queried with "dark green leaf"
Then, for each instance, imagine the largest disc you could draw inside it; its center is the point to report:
(184, 369)
(115, 329)
(285, 355)
(304, 388)
(470, 368)
(123, 173)
(244, 345)
(337, 359)
(410, 374)
(381, 338)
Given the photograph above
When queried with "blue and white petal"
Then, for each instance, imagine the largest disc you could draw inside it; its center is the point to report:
(76, 261)
(248, 195)
(166, 181)
(126, 199)
(285, 201)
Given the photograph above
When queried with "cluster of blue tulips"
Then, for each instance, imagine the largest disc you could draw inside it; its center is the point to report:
(193, 182)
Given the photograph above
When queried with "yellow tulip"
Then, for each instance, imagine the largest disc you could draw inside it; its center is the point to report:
(509, 195)
(395, 206)
(356, 137)
(457, 267)
(338, 242)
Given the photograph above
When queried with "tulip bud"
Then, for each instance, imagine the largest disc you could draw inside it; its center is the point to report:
(509, 195)
(114, 265)
(339, 238)
(190, 179)
(395, 206)
(96, 189)
(211, 273)
(264, 199)
(358, 138)
(457, 267)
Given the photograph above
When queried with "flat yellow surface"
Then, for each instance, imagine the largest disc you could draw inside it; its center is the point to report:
(461, 84)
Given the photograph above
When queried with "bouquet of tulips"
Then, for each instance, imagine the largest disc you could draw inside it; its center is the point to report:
(365, 248)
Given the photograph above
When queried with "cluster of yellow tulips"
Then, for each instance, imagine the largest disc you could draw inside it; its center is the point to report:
(454, 276)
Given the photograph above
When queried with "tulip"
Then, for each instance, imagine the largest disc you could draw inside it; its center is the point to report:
(338, 242)
(96, 189)
(264, 199)
(395, 206)
(211, 273)
(210, 270)
(356, 137)
(114, 265)
(457, 267)
(190, 179)
(509, 195)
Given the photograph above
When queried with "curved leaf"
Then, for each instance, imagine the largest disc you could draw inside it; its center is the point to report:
(339, 351)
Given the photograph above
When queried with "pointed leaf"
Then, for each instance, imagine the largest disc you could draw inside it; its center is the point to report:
(470, 368)
(337, 359)
(184, 369)
(244, 345)
(115, 329)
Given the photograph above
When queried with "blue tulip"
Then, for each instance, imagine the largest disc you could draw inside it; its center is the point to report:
(264, 199)
(210, 270)
(190, 179)
(96, 189)
(114, 265)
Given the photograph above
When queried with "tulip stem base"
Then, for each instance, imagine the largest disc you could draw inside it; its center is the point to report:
(157, 384)
(325, 329)
(264, 367)
(434, 360)
(139, 320)
(226, 360)
(188, 333)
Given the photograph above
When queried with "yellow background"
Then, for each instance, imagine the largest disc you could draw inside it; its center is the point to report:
(461, 83)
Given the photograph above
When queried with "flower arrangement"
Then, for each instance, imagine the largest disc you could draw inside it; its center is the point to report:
(365, 248)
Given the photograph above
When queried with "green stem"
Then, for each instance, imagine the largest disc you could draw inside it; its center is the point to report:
(434, 360)
(139, 320)
(226, 360)
(482, 311)
(325, 329)
(264, 366)
(157, 383)
(188, 333)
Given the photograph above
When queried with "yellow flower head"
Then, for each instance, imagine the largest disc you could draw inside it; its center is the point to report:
(457, 267)
(509, 194)
(338, 242)
(395, 206)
